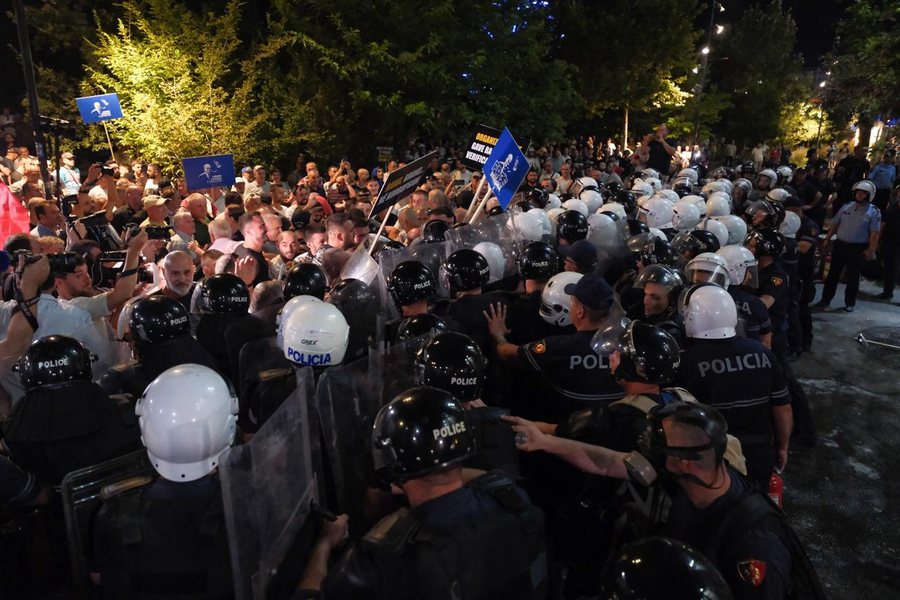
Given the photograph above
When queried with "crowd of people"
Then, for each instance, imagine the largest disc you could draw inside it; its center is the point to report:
(632, 318)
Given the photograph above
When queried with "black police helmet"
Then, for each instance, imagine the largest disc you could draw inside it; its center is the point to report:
(539, 197)
(683, 189)
(636, 226)
(419, 325)
(613, 188)
(305, 279)
(223, 293)
(410, 282)
(465, 270)
(658, 568)
(453, 362)
(538, 261)
(434, 231)
(54, 360)
(571, 226)
(701, 416)
(351, 294)
(647, 354)
(157, 319)
(767, 242)
(628, 199)
(652, 250)
(691, 243)
(774, 213)
(420, 431)
(495, 211)
(524, 205)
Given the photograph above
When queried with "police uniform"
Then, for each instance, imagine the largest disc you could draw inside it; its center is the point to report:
(575, 376)
(669, 321)
(483, 540)
(855, 222)
(525, 322)
(806, 270)
(468, 312)
(754, 560)
(17, 488)
(752, 312)
(267, 379)
(790, 262)
(167, 540)
(743, 380)
(134, 377)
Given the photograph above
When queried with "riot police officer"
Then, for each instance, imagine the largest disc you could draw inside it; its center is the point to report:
(743, 277)
(171, 534)
(359, 305)
(50, 437)
(738, 376)
(661, 285)
(161, 333)
(571, 226)
(537, 264)
(305, 279)
(415, 552)
(411, 285)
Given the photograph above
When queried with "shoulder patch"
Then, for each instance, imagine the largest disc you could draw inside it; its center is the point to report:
(539, 347)
(753, 571)
(777, 281)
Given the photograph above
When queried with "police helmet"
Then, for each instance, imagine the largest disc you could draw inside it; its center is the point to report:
(538, 197)
(718, 204)
(717, 228)
(736, 227)
(627, 199)
(704, 417)
(157, 319)
(778, 194)
(613, 187)
(538, 261)
(748, 168)
(769, 174)
(410, 282)
(421, 430)
(576, 205)
(708, 267)
(315, 334)
(691, 243)
(683, 188)
(614, 210)
(555, 302)
(685, 214)
(54, 360)
(790, 226)
(419, 325)
(651, 249)
(305, 279)
(434, 231)
(188, 420)
(465, 270)
(636, 227)
(709, 312)
(571, 226)
(453, 362)
(658, 568)
(765, 241)
(664, 275)
(769, 211)
(223, 293)
(647, 354)
(866, 186)
(739, 259)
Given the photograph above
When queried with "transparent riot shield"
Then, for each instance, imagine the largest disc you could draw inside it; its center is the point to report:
(495, 238)
(83, 492)
(269, 493)
(347, 400)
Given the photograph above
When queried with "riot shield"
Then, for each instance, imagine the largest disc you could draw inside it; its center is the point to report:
(83, 492)
(347, 400)
(487, 237)
(269, 493)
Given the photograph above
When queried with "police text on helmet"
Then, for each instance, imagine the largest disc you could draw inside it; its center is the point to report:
(449, 430)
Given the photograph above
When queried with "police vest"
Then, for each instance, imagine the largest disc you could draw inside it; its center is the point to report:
(511, 557)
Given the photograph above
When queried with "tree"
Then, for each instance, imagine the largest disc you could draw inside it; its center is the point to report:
(629, 53)
(865, 67)
(756, 66)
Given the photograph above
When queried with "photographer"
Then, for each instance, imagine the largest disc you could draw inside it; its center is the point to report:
(21, 328)
(76, 288)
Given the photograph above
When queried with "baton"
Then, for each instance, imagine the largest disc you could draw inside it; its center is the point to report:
(865, 342)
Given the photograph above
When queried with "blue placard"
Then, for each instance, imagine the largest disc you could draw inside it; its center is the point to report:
(104, 107)
(201, 172)
(505, 168)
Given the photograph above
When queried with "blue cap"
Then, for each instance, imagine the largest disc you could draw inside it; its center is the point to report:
(582, 252)
(592, 291)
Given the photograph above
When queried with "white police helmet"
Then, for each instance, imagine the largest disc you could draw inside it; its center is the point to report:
(494, 255)
(670, 194)
(690, 174)
(772, 175)
(655, 183)
(546, 226)
(649, 173)
(740, 260)
(188, 419)
(726, 183)
(718, 204)
(736, 226)
(555, 302)
(528, 225)
(553, 215)
(685, 214)
(716, 228)
(709, 313)
(708, 267)
(867, 186)
(713, 186)
(614, 208)
(315, 334)
(553, 201)
(790, 226)
(289, 307)
(778, 195)
(785, 172)
(576, 205)
(657, 210)
(641, 187)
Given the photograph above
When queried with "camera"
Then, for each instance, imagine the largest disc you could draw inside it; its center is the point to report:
(158, 232)
(60, 262)
(97, 228)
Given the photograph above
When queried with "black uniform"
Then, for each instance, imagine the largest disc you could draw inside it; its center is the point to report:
(167, 540)
(743, 380)
(267, 379)
(755, 561)
(484, 540)
(790, 261)
(525, 322)
(468, 313)
(806, 270)
(669, 321)
(134, 377)
(51, 438)
(574, 375)
(752, 311)
(17, 488)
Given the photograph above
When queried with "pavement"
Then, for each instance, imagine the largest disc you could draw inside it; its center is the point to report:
(842, 495)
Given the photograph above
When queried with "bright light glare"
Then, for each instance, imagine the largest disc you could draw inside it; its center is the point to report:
(822, 84)
(720, 29)
(705, 50)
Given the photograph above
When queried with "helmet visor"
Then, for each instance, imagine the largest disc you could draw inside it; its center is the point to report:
(707, 273)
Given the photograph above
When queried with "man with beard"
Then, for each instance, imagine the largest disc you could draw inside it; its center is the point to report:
(288, 249)
(253, 228)
(177, 270)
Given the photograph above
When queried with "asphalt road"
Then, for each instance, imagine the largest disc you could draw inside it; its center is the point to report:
(842, 495)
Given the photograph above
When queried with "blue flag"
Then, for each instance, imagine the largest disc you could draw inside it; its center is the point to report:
(201, 172)
(94, 109)
(505, 168)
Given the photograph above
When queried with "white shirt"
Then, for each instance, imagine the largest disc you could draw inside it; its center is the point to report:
(96, 306)
(224, 245)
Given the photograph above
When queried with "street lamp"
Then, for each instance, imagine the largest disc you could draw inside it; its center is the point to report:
(704, 61)
(705, 50)
(720, 29)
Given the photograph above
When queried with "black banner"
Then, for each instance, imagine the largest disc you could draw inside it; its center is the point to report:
(480, 146)
(402, 182)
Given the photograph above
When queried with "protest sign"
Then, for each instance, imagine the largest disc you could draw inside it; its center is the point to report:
(480, 146)
(201, 172)
(402, 182)
(95, 109)
(505, 168)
